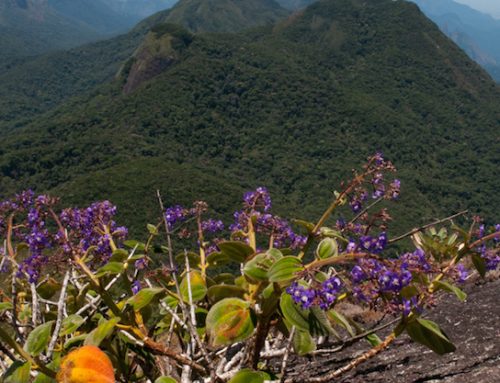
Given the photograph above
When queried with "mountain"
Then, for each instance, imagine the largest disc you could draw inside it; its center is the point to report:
(139, 9)
(475, 32)
(97, 14)
(38, 85)
(224, 15)
(295, 4)
(31, 27)
(293, 106)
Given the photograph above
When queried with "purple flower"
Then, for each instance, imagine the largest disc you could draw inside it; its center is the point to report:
(260, 198)
(212, 225)
(175, 214)
(136, 287)
(301, 295)
(462, 273)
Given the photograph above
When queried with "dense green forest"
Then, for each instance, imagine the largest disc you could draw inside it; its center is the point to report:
(293, 106)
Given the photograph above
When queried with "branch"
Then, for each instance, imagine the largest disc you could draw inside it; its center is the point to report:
(60, 314)
(353, 364)
(421, 228)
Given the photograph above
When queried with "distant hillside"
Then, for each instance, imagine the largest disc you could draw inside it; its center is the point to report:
(225, 15)
(478, 34)
(35, 86)
(30, 27)
(292, 106)
(295, 4)
(139, 9)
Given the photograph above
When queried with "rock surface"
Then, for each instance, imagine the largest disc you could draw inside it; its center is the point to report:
(473, 326)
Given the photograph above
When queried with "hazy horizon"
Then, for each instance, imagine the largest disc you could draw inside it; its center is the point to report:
(492, 7)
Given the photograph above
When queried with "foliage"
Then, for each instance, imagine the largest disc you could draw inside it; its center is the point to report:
(288, 107)
(162, 310)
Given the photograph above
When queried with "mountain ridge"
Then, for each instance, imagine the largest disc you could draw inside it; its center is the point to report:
(291, 106)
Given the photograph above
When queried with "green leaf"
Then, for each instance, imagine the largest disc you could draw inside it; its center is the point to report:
(479, 264)
(198, 287)
(308, 225)
(452, 289)
(75, 340)
(165, 379)
(430, 335)
(132, 244)
(303, 343)
(249, 376)
(373, 339)
(119, 255)
(218, 259)
(38, 339)
(5, 306)
(71, 324)
(319, 323)
(218, 292)
(110, 268)
(144, 297)
(235, 251)
(100, 333)
(18, 372)
(226, 278)
(153, 230)
(327, 248)
(342, 321)
(285, 269)
(293, 313)
(48, 288)
(257, 268)
(229, 321)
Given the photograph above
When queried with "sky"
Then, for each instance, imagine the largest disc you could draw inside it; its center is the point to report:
(488, 6)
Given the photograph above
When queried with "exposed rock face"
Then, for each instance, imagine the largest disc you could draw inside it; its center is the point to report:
(160, 49)
(474, 327)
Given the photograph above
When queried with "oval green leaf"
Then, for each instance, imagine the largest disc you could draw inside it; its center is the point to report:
(101, 332)
(430, 335)
(235, 251)
(219, 292)
(249, 376)
(144, 297)
(38, 339)
(198, 287)
(327, 248)
(229, 321)
(285, 269)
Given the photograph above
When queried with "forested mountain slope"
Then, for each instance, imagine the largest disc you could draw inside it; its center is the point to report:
(293, 107)
(34, 86)
(476, 33)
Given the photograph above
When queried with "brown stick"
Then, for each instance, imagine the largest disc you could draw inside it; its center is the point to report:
(335, 374)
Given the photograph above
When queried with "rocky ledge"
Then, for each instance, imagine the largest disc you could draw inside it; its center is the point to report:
(473, 326)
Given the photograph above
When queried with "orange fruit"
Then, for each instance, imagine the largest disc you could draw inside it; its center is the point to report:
(87, 364)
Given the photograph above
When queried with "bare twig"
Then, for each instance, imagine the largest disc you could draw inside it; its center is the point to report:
(421, 228)
(284, 363)
(60, 314)
(34, 303)
(351, 365)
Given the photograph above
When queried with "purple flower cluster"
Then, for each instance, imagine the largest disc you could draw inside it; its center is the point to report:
(257, 199)
(175, 214)
(416, 261)
(91, 227)
(490, 255)
(374, 245)
(212, 225)
(371, 278)
(324, 296)
(256, 208)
